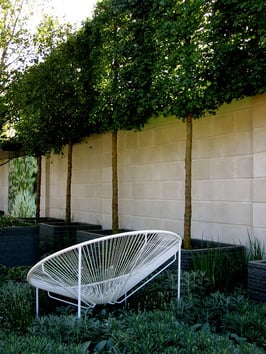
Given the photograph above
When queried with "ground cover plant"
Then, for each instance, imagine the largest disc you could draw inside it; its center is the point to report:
(205, 321)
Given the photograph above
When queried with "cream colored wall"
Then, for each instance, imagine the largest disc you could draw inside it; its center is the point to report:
(259, 167)
(4, 188)
(223, 174)
(229, 176)
(88, 181)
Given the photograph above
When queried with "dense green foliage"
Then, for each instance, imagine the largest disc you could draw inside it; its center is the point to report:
(9, 221)
(49, 100)
(203, 322)
(123, 64)
(21, 45)
(22, 187)
(207, 53)
(133, 61)
(238, 36)
(129, 62)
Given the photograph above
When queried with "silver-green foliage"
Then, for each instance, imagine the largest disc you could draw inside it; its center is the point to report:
(22, 185)
(202, 322)
(13, 344)
(24, 205)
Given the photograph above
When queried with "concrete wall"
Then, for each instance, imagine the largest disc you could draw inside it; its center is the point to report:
(229, 176)
(259, 167)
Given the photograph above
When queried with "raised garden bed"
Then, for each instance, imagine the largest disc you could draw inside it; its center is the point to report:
(19, 245)
(204, 248)
(257, 280)
(86, 235)
(56, 235)
(41, 219)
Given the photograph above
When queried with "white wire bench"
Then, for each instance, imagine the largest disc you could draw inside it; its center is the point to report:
(108, 269)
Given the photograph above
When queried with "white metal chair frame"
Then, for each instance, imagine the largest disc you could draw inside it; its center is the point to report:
(108, 269)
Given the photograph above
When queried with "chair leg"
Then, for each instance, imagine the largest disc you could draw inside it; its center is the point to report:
(179, 275)
(37, 303)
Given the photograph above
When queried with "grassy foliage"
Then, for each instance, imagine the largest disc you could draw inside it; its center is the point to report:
(256, 249)
(224, 270)
(205, 321)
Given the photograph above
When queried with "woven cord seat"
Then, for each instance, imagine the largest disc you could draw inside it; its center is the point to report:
(108, 269)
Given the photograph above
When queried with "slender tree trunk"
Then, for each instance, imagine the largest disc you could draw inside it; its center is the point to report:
(115, 222)
(68, 183)
(188, 184)
(38, 189)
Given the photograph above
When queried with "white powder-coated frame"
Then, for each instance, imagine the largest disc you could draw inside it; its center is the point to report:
(108, 269)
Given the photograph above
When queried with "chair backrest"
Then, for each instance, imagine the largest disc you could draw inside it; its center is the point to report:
(106, 269)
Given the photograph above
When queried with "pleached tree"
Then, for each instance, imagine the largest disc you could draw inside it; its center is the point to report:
(22, 46)
(50, 102)
(207, 53)
(122, 74)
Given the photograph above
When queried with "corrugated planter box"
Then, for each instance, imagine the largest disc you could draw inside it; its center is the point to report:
(87, 235)
(40, 219)
(208, 248)
(56, 235)
(19, 245)
(257, 280)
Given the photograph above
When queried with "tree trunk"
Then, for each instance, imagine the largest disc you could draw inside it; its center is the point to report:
(188, 184)
(38, 188)
(115, 222)
(68, 183)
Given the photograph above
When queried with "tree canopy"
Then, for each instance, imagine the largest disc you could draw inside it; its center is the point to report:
(138, 59)
(207, 53)
(124, 64)
(23, 45)
(238, 37)
(121, 75)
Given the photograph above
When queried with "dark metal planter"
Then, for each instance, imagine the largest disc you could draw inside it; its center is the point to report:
(257, 280)
(87, 235)
(19, 245)
(204, 248)
(41, 219)
(56, 235)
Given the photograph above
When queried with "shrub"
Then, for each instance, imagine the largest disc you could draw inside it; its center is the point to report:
(160, 332)
(18, 273)
(9, 221)
(216, 305)
(202, 322)
(158, 294)
(68, 329)
(195, 283)
(13, 344)
(248, 322)
(3, 273)
(16, 305)
(161, 293)
(202, 307)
